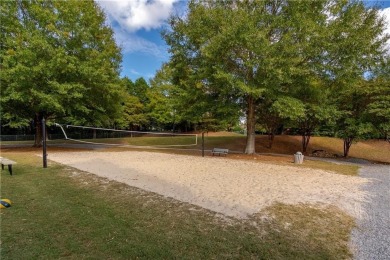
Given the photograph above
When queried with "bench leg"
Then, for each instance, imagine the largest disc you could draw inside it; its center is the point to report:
(2, 166)
(10, 169)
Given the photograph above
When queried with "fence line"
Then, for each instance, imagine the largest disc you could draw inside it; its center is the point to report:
(14, 138)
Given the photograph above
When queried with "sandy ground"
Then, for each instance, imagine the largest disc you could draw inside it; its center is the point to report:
(232, 187)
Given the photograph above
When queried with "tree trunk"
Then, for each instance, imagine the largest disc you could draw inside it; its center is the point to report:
(347, 145)
(250, 126)
(94, 134)
(38, 130)
(305, 141)
(271, 137)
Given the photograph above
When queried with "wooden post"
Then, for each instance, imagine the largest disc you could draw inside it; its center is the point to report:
(202, 144)
(44, 143)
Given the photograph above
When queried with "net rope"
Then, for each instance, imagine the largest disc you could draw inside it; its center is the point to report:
(126, 131)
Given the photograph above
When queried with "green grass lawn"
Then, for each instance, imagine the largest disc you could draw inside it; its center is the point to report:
(373, 150)
(162, 140)
(60, 212)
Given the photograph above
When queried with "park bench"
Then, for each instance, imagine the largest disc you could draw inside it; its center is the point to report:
(8, 162)
(220, 151)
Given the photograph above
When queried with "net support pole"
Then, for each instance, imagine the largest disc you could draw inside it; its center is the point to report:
(202, 144)
(44, 143)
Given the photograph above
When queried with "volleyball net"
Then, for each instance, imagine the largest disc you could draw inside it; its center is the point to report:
(116, 137)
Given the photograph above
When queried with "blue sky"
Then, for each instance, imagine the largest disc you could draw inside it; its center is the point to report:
(138, 23)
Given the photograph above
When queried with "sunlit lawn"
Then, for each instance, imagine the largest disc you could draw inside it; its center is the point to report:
(374, 150)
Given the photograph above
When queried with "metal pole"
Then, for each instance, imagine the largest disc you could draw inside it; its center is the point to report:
(202, 144)
(44, 143)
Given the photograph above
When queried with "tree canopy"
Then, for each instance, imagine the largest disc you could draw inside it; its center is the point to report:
(245, 50)
(59, 61)
(295, 63)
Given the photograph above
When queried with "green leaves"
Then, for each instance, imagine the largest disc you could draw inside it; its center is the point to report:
(288, 108)
(297, 54)
(59, 60)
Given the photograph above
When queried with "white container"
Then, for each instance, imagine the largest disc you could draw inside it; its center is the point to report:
(298, 158)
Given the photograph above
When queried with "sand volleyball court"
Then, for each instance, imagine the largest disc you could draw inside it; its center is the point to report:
(234, 188)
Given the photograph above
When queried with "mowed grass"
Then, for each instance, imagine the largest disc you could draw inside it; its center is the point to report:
(173, 140)
(60, 212)
(372, 150)
(164, 140)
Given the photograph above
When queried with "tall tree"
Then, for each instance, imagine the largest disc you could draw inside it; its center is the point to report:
(276, 111)
(59, 61)
(174, 103)
(379, 106)
(354, 121)
(220, 46)
(134, 117)
(360, 46)
(134, 111)
(140, 89)
(163, 103)
(244, 49)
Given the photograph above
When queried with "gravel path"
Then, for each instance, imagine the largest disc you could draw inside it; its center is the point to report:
(371, 238)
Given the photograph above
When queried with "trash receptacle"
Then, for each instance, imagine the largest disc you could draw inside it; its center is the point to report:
(298, 157)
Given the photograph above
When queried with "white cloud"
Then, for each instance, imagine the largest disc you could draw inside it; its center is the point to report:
(130, 43)
(133, 71)
(129, 16)
(133, 15)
